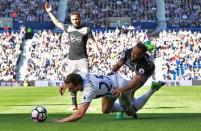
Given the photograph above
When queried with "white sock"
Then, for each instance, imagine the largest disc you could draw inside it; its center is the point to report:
(140, 101)
(117, 107)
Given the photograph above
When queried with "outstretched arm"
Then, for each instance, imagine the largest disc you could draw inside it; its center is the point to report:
(77, 115)
(48, 9)
(117, 66)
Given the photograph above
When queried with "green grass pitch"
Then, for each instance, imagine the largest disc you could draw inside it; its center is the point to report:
(169, 109)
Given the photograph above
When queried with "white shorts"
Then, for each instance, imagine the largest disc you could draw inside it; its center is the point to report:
(120, 82)
(77, 66)
(127, 96)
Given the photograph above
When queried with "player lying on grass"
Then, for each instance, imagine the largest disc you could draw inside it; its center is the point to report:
(94, 86)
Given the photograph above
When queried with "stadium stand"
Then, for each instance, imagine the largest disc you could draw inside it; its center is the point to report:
(46, 54)
(178, 52)
(183, 13)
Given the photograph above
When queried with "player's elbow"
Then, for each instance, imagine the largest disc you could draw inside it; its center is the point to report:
(79, 116)
(59, 25)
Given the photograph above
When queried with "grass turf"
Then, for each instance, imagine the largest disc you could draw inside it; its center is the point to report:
(171, 108)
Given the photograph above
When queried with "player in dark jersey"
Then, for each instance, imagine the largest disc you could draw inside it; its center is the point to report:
(79, 36)
(139, 62)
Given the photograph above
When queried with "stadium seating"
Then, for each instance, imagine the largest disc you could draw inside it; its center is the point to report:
(46, 54)
(179, 51)
(94, 13)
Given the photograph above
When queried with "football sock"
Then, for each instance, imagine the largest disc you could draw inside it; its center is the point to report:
(74, 98)
(117, 107)
(140, 101)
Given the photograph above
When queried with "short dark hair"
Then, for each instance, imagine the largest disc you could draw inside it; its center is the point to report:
(74, 79)
(141, 46)
(75, 13)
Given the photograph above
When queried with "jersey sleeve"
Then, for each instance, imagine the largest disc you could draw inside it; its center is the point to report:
(87, 97)
(88, 94)
(141, 71)
(65, 27)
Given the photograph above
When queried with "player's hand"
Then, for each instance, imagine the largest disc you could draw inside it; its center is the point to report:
(117, 92)
(62, 89)
(48, 8)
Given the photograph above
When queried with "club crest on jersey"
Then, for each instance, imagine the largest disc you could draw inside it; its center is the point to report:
(141, 71)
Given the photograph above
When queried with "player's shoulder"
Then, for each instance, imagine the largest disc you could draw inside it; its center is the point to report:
(68, 28)
(126, 52)
(147, 57)
(88, 29)
(87, 76)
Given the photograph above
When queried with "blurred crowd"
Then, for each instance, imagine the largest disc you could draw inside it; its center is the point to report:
(9, 53)
(177, 54)
(183, 13)
(179, 13)
(47, 56)
(180, 54)
(95, 12)
(26, 10)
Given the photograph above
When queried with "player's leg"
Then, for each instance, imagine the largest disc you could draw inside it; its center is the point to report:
(130, 108)
(123, 104)
(74, 100)
(141, 83)
(78, 66)
(123, 101)
(82, 65)
(140, 101)
(71, 69)
(127, 98)
(108, 105)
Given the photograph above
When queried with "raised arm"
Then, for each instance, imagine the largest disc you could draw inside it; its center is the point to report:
(48, 9)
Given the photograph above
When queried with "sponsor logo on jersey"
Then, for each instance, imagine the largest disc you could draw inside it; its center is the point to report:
(75, 39)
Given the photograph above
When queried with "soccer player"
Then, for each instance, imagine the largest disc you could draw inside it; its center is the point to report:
(95, 86)
(78, 35)
(139, 62)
